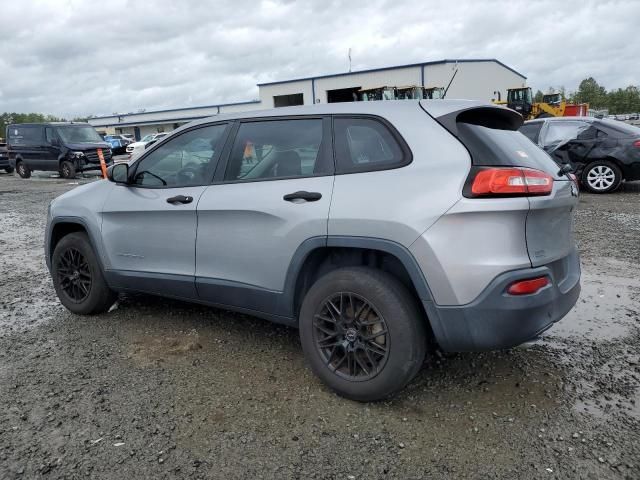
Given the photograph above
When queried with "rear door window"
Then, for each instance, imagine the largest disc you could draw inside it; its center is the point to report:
(270, 149)
(366, 144)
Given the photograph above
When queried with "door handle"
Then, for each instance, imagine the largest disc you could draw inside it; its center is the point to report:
(303, 195)
(180, 199)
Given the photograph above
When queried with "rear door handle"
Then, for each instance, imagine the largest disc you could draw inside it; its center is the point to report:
(303, 195)
(180, 199)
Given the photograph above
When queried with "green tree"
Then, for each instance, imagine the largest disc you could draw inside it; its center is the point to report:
(589, 91)
(538, 96)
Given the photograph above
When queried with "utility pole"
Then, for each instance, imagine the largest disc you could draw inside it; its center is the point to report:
(349, 59)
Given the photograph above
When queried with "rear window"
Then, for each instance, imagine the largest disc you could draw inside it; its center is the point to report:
(27, 136)
(496, 147)
(365, 144)
(622, 128)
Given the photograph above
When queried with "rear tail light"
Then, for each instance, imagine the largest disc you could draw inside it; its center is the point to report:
(636, 144)
(528, 287)
(510, 182)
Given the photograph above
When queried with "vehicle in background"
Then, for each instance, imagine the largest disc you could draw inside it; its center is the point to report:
(118, 144)
(601, 152)
(135, 149)
(379, 229)
(553, 104)
(129, 136)
(399, 93)
(4, 159)
(64, 147)
(634, 116)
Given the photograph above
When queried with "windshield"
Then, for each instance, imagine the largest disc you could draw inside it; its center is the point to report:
(147, 138)
(82, 134)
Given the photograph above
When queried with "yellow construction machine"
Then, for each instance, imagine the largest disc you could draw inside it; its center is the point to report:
(552, 105)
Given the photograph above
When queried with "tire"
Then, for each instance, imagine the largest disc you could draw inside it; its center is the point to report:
(67, 169)
(8, 169)
(23, 170)
(74, 258)
(544, 115)
(405, 339)
(601, 176)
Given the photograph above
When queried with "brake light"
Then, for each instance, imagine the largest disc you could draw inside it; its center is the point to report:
(527, 287)
(636, 144)
(511, 181)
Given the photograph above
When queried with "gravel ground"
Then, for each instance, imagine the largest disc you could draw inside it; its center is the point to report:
(162, 389)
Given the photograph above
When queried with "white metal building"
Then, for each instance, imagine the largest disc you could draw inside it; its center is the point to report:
(476, 79)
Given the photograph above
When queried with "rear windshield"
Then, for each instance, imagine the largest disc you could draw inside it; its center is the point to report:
(79, 134)
(621, 127)
(497, 147)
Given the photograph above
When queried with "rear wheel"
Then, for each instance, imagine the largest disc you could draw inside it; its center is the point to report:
(67, 170)
(78, 278)
(23, 170)
(362, 333)
(602, 176)
(8, 169)
(544, 115)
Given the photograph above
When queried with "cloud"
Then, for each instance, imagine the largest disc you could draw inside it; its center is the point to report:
(73, 57)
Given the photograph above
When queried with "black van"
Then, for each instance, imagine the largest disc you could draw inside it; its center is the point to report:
(64, 147)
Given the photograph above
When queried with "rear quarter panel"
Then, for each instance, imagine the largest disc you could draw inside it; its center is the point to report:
(400, 204)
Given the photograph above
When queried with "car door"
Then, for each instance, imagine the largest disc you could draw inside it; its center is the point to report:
(149, 226)
(272, 196)
(568, 142)
(51, 150)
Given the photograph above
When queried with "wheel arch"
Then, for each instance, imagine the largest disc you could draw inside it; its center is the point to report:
(62, 227)
(316, 257)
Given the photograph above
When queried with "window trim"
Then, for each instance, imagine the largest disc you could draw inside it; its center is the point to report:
(407, 154)
(325, 154)
(210, 173)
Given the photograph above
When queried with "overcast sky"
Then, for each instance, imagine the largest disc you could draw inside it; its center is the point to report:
(75, 57)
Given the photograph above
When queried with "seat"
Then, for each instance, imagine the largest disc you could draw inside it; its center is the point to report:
(289, 164)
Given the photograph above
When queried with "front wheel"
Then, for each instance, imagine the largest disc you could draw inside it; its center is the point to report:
(23, 170)
(78, 278)
(362, 333)
(67, 170)
(602, 176)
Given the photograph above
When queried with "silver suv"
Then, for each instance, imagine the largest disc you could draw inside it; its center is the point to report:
(379, 229)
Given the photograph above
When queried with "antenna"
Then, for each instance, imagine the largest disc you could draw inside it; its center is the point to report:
(349, 59)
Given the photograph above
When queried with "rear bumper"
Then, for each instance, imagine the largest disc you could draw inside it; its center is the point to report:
(498, 320)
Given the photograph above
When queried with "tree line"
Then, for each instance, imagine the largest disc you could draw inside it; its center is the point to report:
(621, 100)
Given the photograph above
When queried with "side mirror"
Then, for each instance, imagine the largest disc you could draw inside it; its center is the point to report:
(119, 173)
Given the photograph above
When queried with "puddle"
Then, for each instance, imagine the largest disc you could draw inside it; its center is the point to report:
(608, 308)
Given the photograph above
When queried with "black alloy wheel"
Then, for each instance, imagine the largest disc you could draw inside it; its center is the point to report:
(351, 336)
(78, 278)
(74, 275)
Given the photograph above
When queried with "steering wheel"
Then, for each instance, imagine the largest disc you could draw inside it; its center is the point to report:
(190, 173)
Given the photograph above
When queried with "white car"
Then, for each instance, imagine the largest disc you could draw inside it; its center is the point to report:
(137, 148)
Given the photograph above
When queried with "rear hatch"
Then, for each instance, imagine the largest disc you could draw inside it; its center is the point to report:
(490, 134)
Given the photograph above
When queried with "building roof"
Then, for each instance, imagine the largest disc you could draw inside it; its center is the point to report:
(382, 69)
(149, 112)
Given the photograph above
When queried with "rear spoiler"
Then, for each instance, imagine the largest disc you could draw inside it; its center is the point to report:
(475, 113)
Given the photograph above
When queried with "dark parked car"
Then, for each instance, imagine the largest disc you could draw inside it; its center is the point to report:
(4, 158)
(602, 153)
(64, 147)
